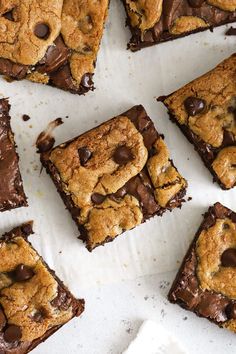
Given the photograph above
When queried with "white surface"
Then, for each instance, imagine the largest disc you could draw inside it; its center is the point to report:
(152, 338)
(122, 80)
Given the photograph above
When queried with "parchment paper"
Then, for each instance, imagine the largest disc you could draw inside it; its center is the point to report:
(123, 79)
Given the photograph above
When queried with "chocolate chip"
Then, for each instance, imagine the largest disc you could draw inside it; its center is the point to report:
(87, 81)
(12, 334)
(122, 155)
(119, 194)
(98, 198)
(228, 258)
(39, 315)
(84, 155)
(23, 272)
(194, 105)
(9, 15)
(42, 30)
(62, 301)
(231, 32)
(2, 319)
(231, 311)
(196, 3)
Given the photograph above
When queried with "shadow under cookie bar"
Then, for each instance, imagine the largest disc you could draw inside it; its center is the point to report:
(54, 44)
(11, 187)
(205, 111)
(205, 283)
(115, 176)
(156, 21)
(34, 303)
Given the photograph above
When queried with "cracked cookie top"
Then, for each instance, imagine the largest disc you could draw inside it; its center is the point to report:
(116, 175)
(207, 107)
(52, 42)
(32, 300)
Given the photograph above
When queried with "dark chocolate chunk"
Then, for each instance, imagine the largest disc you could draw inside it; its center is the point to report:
(12, 334)
(98, 198)
(228, 258)
(23, 272)
(84, 155)
(230, 311)
(87, 81)
(42, 30)
(196, 3)
(231, 32)
(9, 15)
(2, 319)
(122, 155)
(194, 105)
(62, 301)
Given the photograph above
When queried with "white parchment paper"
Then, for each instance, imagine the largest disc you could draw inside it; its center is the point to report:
(123, 79)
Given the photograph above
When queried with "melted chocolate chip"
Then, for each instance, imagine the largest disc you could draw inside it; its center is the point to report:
(231, 311)
(62, 301)
(119, 194)
(228, 258)
(23, 272)
(42, 30)
(12, 334)
(39, 315)
(196, 3)
(98, 198)
(84, 155)
(194, 105)
(87, 81)
(231, 32)
(45, 140)
(2, 319)
(122, 155)
(9, 15)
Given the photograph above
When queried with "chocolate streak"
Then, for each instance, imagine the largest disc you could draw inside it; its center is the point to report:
(64, 297)
(139, 186)
(173, 9)
(186, 290)
(55, 64)
(11, 188)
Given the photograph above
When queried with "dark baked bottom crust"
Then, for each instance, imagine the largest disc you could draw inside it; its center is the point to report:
(25, 230)
(186, 291)
(15, 197)
(176, 201)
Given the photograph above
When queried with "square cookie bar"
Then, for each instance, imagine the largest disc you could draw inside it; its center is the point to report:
(155, 21)
(11, 187)
(34, 303)
(206, 281)
(115, 176)
(51, 42)
(205, 111)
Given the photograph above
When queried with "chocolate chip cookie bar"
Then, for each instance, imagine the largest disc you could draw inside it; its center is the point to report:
(205, 111)
(11, 187)
(34, 303)
(205, 281)
(115, 176)
(51, 42)
(157, 21)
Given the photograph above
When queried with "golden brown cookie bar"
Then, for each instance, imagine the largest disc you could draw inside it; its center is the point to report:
(156, 21)
(51, 42)
(115, 176)
(205, 111)
(34, 303)
(205, 281)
